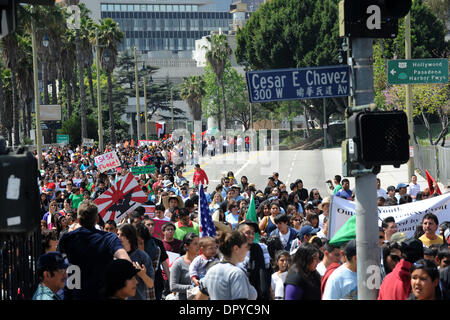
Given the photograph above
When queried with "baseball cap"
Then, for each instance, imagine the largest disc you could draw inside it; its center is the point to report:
(401, 185)
(306, 230)
(398, 237)
(51, 260)
(235, 186)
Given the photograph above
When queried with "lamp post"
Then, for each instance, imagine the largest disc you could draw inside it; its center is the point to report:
(138, 107)
(346, 48)
(145, 102)
(36, 91)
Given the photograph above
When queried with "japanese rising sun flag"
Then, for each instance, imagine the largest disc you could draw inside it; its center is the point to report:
(119, 200)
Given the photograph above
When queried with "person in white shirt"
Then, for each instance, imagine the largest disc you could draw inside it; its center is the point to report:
(413, 187)
(283, 260)
(380, 191)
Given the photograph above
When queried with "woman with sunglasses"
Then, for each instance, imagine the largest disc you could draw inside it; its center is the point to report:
(391, 256)
(424, 281)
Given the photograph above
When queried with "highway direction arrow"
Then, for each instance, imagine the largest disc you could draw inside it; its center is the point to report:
(417, 71)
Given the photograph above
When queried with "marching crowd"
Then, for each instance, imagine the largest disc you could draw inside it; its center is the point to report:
(283, 253)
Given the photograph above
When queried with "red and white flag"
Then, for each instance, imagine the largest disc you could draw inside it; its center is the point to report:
(122, 198)
(159, 129)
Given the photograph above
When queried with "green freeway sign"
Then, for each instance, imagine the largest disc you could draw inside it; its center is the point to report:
(143, 170)
(417, 71)
(62, 138)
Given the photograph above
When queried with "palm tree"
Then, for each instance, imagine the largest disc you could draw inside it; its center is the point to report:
(25, 84)
(218, 57)
(10, 49)
(193, 90)
(109, 38)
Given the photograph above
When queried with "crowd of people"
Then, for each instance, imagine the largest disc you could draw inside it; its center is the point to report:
(284, 255)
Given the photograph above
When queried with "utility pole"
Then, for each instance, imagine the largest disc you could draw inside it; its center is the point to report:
(138, 107)
(367, 249)
(145, 107)
(324, 123)
(37, 103)
(408, 95)
(171, 107)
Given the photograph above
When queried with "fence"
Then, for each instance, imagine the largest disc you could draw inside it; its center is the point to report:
(18, 256)
(435, 159)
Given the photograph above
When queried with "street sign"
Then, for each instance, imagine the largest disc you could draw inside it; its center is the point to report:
(62, 138)
(88, 142)
(50, 112)
(300, 83)
(417, 71)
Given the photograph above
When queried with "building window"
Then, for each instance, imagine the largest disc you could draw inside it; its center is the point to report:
(130, 8)
(169, 8)
(182, 8)
(188, 8)
(162, 8)
(104, 7)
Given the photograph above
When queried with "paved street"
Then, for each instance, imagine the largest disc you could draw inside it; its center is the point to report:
(314, 167)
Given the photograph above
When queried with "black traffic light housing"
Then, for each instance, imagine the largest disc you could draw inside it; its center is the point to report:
(8, 13)
(355, 15)
(378, 138)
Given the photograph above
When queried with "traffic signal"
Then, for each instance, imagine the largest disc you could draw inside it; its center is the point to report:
(8, 13)
(371, 18)
(378, 138)
(8, 16)
(19, 192)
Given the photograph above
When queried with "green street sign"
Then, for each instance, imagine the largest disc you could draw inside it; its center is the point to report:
(143, 170)
(417, 71)
(62, 138)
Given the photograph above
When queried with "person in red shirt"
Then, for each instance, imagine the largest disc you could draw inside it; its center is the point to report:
(200, 176)
(397, 284)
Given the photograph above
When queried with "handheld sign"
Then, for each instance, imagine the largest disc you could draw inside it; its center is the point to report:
(143, 170)
(301, 83)
(107, 161)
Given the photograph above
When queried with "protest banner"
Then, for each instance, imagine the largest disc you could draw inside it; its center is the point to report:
(142, 143)
(407, 216)
(157, 229)
(143, 170)
(172, 257)
(119, 200)
(107, 161)
(149, 210)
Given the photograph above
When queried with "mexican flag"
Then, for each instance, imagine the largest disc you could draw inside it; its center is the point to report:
(251, 216)
(346, 233)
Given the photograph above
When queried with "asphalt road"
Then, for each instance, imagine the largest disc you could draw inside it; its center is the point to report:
(313, 167)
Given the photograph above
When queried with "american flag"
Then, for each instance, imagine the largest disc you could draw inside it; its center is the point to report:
(207, 227)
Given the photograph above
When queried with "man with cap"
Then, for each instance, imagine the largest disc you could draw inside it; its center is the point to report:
(185, 225)
(304, 235)
(401, 189)
(51, 270)
(397, 284)
(255, 264)
(343, 282)
(171, 203)
(324, 206)
(237, 193)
